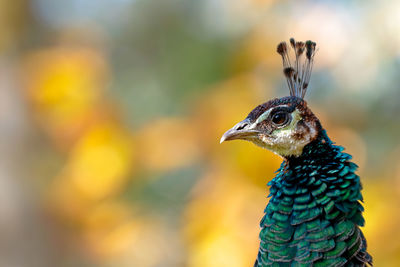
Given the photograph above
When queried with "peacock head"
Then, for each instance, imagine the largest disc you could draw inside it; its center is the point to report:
(284, 125)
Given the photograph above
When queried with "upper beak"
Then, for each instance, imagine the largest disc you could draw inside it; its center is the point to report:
(239, 131)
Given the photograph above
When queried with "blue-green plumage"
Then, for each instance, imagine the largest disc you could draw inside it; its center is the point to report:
(314, 213)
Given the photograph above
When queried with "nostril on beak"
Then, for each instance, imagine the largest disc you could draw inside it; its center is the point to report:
(241, 127)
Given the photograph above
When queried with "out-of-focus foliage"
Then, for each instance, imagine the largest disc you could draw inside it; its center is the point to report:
(111, 114)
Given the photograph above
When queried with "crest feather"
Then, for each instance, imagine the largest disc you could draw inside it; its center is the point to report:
(297, 74)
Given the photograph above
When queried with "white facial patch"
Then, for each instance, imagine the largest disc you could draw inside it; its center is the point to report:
(282, 141)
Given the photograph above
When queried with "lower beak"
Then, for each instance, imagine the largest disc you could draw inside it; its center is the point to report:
(239, 131)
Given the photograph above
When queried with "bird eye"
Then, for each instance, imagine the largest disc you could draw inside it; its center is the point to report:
(280, 118)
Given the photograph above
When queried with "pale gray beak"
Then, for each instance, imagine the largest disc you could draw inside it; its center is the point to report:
(239, 131)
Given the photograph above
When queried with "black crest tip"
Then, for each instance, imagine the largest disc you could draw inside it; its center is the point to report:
(289, 72)
(282, 48)
(310, 49)
(293, 43)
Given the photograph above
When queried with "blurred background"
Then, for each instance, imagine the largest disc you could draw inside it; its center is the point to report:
(111, 113)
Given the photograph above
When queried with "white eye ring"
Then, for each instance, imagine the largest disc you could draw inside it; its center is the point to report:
(265, 115)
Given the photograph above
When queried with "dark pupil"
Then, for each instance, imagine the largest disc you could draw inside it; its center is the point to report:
(279, 118)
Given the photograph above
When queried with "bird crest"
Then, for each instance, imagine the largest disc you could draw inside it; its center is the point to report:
(297, 73)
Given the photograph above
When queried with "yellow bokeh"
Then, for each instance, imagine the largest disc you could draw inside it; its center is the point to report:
(100, 162)
(65, 86)
(221, 222)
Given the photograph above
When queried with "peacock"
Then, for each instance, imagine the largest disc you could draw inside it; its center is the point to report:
(314, 214)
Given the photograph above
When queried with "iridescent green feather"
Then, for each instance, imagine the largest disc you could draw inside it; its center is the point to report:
(314, 213)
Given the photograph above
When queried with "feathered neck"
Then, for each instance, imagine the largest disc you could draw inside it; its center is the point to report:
(323, 166)
(314, 211)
